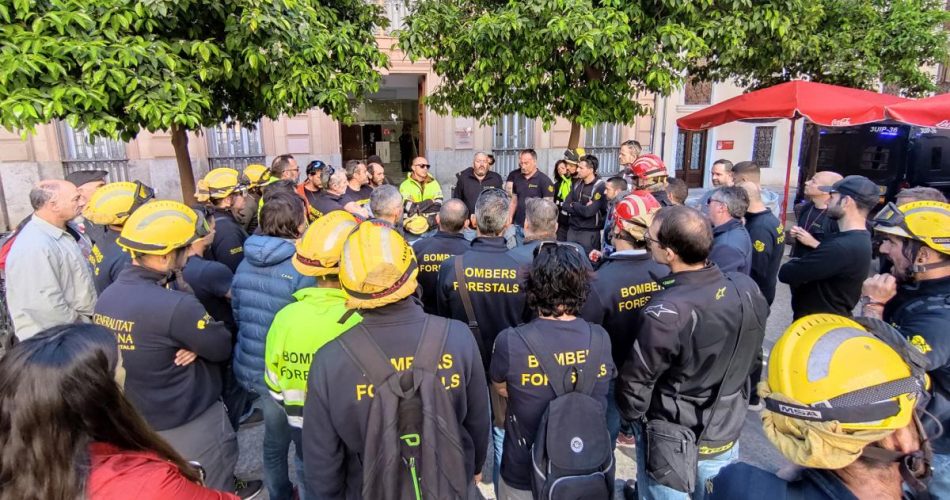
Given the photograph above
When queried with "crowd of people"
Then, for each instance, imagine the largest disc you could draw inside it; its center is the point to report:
(396, 337)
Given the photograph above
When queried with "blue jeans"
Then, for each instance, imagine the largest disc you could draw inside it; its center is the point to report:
(648, 489)
(277, 438)
(613, 414)
(498, 436)
(939, 486)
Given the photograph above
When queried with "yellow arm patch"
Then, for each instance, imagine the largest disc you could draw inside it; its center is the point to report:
(920, 344)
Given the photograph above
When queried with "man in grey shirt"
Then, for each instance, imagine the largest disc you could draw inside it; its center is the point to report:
(48, 280)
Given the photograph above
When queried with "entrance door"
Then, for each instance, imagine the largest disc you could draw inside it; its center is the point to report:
(691, 157)
(351, 141)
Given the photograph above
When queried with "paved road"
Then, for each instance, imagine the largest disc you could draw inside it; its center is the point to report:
(753, 445)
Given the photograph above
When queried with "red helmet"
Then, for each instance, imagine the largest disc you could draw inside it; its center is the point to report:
(647, 166)
(634, 213)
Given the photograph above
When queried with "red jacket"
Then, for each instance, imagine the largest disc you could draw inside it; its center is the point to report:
(142, 475)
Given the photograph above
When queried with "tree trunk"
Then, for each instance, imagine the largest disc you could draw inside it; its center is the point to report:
(575, 137)
(185, 173)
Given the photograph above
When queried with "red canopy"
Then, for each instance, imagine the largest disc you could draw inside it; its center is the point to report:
(930, 112)
(827, 105)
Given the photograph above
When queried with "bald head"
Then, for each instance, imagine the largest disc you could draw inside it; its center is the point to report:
(452, 216)
(56, 201)
(820, 179)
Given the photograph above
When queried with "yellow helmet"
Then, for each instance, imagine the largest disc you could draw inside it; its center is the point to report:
(255, 175)
(318, 252)
(113, 203)
(218, 183)
(378, 267)
(160, 227)
(830, 368)
(925, 221)
(417, 225)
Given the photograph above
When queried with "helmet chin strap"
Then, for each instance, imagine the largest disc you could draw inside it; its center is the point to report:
(914, 467)
(922, 268)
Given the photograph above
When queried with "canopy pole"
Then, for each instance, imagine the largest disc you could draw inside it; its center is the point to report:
(788, 171)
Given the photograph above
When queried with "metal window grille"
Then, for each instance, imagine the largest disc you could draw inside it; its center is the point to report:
(80, 151)
(603, 141)
(234, 146)
(512, 133)
(762, 146)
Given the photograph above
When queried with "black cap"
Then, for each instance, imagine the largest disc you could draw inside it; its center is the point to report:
(81, 177)
(859, 187)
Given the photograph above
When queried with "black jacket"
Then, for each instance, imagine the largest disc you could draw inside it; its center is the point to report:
(584, 217)
(496, 286)
(228, 244)
(468, 187)
(151, 323)
(768, 245)
(685, 337)
(828, 279)
(108, 259)
(921, 311)
(621, 289)
(430, 253)
(337, 406)
(732, 248)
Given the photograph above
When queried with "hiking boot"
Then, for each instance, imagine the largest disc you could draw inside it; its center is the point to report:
(247, 490)
(626, 441)
(254, 417)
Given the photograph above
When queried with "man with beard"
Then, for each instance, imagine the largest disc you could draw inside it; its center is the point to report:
(470, 183)
(915, 297)
(828, 279)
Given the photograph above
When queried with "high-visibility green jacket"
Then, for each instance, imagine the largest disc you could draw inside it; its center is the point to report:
(412, 190)
(298, 330)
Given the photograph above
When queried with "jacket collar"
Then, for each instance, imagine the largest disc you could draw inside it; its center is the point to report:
(407, 310)
(47, 228)
(448, 236)
(136, 272)
(705, 276)
(726, 226)
(495, 244)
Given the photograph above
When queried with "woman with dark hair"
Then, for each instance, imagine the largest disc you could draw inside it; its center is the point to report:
(263, 284)
(556, 289)
(67, 430)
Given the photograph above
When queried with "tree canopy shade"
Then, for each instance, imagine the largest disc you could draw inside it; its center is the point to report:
(584, 60)
(854, 43)
(115, 67)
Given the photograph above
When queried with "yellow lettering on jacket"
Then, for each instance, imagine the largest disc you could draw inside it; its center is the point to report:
(483, 287)
(639, 289)
(449, 380)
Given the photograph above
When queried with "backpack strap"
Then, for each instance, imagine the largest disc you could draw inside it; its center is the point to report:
(431, 344)
(587, 376)
(366, 353)
(466, 298)
(743, 327)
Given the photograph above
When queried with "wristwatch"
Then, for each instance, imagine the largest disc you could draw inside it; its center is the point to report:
(866, 301)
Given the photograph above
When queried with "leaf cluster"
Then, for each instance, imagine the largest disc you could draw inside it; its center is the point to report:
(585, 60)
(117, 66)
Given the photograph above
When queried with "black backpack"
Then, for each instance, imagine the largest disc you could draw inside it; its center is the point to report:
(572, 456)
(413, 446)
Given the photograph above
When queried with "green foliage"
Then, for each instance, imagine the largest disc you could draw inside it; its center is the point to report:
(585, 60)
(856, 43)
(117, 66)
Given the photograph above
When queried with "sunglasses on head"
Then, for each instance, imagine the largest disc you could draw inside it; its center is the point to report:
(550, 246)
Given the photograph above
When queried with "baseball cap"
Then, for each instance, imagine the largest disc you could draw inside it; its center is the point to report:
(858, 187)
(81, 177)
